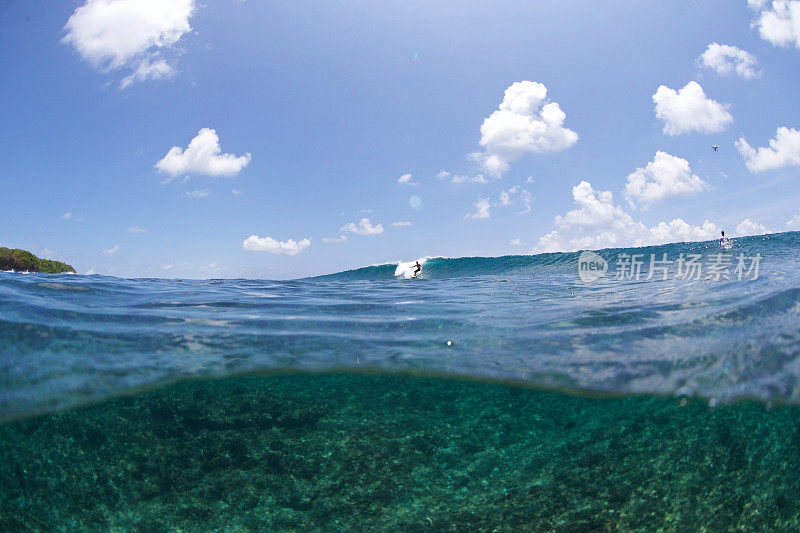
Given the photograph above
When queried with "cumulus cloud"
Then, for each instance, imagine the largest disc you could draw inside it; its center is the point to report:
(111, 251)
(679, 230)
(364, 227)
(483, 209)
(115, 34)
(329, 240)
(749, 227)
(515, 242)
(596, 222)
(593, 209)
(254, 243)
(137, 229)
(783, 151)
(779, 23)
(405, 179)
(726, 59)
(525, 122)
(666, 175)
(689, 109)
(202, 156)
(401, 224)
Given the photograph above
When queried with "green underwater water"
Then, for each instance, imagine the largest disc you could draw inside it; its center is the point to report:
(354, 452)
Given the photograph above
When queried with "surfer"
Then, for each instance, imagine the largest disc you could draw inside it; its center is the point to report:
(417, 268)
(715, 147)
(724, 241)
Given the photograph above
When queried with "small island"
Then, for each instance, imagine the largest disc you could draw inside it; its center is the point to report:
(23, 261)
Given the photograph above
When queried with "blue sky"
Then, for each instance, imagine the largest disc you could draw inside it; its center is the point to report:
(323, 106)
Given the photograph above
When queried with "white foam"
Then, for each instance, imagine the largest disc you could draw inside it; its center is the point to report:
(406, 269)
(261, 294)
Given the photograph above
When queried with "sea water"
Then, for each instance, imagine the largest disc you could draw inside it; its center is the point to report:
(506, 393)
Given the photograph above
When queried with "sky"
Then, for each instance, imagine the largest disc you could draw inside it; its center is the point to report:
(173, 138)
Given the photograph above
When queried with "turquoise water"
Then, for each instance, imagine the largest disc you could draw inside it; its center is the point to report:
(491, 393)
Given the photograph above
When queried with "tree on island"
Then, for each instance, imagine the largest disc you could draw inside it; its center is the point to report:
(23, 261)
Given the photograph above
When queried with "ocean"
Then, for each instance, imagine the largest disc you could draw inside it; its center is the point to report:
(633, 389)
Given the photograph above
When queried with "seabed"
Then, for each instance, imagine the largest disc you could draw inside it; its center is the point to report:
(342, 452)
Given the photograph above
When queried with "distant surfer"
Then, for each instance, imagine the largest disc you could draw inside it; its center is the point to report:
(715, 147)
(417, 268)
(724, 241)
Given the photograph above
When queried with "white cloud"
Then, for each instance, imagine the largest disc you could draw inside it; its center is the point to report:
(749, 227)
(783, 151)
(779, 25)
(478, 178)
(526, 199)
(137, 229)
(596, 222)
(482, 209)
(551, 242)
(236, 192)
(505, 196)
(458, 178)
(364, 227)
(726, 59)
(681, 231)
(69, 215)
(405, 179)
(155, 70)
(113, 34)
(401, 224)
(689, 109)
(329, 240)
(594, 209)
(255, 243)
(666, 175)
(793, 224)
(515, 242)
(202, 156)
(111, 251)
(525, 122)
(197, 194)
